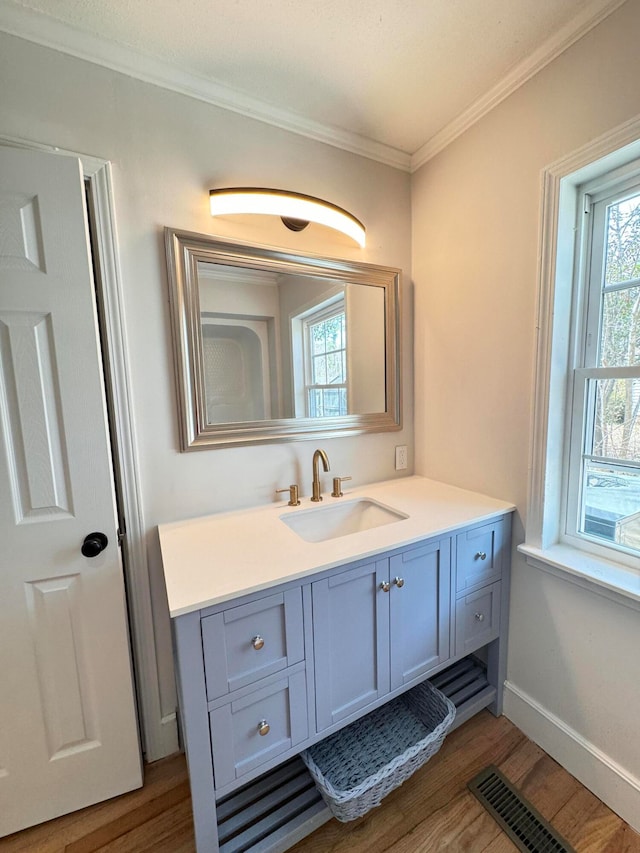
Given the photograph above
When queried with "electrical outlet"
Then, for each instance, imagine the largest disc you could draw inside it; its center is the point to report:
(401, 457)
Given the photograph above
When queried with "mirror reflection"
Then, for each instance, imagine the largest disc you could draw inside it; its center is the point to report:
(275, 346)
(281, 345)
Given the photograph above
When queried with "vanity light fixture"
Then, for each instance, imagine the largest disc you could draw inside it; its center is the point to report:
(295, 210)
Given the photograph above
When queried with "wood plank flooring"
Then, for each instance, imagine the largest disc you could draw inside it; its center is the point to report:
(432, 811)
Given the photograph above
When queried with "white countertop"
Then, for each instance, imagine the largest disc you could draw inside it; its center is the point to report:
(218, 557)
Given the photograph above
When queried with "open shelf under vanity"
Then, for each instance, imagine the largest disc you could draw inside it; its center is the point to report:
(275, 811)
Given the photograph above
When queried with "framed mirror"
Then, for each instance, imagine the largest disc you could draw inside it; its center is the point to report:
(275, 346)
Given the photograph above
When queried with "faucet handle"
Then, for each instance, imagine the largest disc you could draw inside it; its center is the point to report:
(337, 486)
(294, 499)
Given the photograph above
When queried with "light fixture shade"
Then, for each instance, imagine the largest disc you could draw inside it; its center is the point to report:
(286, 205)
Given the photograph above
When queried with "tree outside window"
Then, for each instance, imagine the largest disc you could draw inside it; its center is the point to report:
(609, 506)
(326, 365)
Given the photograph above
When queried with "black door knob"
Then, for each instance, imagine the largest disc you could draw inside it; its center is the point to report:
(93, 544)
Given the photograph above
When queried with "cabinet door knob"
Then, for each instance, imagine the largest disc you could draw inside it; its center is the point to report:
(481, 555)
(263, 728)
(385, 586)
(399, 582)
(480, 617)
(257, 642)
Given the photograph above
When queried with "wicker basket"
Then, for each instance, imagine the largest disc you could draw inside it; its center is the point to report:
(355, 768)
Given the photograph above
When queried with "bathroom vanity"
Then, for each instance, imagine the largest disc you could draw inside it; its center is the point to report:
(290, 624)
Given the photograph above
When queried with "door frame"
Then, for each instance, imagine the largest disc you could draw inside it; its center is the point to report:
(158, 733)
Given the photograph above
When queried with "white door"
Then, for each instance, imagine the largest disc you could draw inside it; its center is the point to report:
(68, 731)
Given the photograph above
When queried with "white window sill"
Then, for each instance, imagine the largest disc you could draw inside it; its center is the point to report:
(603, 577)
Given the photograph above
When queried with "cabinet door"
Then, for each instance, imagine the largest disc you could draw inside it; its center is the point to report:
(351, 641)
(420, 610)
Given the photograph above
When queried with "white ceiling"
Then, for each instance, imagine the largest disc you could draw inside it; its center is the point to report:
(395, 80)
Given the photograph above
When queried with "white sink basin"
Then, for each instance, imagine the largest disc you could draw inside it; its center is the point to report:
(340, 519)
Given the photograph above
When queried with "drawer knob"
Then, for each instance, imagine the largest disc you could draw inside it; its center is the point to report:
(257, 642)
(480, 555)
(480, 617)
(263, 728)
(399, 582)
(385, 586)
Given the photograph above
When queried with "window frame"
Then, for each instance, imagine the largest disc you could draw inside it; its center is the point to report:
(611, 575)
(593, 201)
(332, 308)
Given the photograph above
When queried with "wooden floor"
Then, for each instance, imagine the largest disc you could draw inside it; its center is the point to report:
(432, 811)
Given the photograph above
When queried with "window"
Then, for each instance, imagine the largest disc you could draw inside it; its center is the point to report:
(602, 457)
(325, 365)
(584, 484)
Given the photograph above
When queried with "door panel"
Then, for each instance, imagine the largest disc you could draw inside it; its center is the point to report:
(351, 635)
(38, 468)
(419, 601)
(63, 681)
(69, 732)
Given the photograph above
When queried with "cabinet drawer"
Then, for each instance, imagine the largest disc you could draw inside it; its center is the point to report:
(477, 618)
(238, 745)
(479, 555)
(246, 643)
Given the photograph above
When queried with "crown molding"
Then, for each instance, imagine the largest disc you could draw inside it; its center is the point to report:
(36, 27)
(48, 32)
(589, 17)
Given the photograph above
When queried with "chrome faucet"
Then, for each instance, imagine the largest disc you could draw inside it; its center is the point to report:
(315, 488)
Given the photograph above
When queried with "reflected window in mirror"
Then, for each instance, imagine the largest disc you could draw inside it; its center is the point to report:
(319, 347)
(326, 363)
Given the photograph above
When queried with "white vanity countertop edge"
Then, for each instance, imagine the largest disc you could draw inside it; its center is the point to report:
(215, 558)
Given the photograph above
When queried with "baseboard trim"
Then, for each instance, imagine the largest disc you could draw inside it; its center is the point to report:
(607, 779)
(168, 739)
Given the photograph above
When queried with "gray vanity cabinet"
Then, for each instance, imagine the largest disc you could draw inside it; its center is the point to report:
(264, 675)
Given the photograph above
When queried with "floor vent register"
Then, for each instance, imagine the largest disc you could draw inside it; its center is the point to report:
(524, 825)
